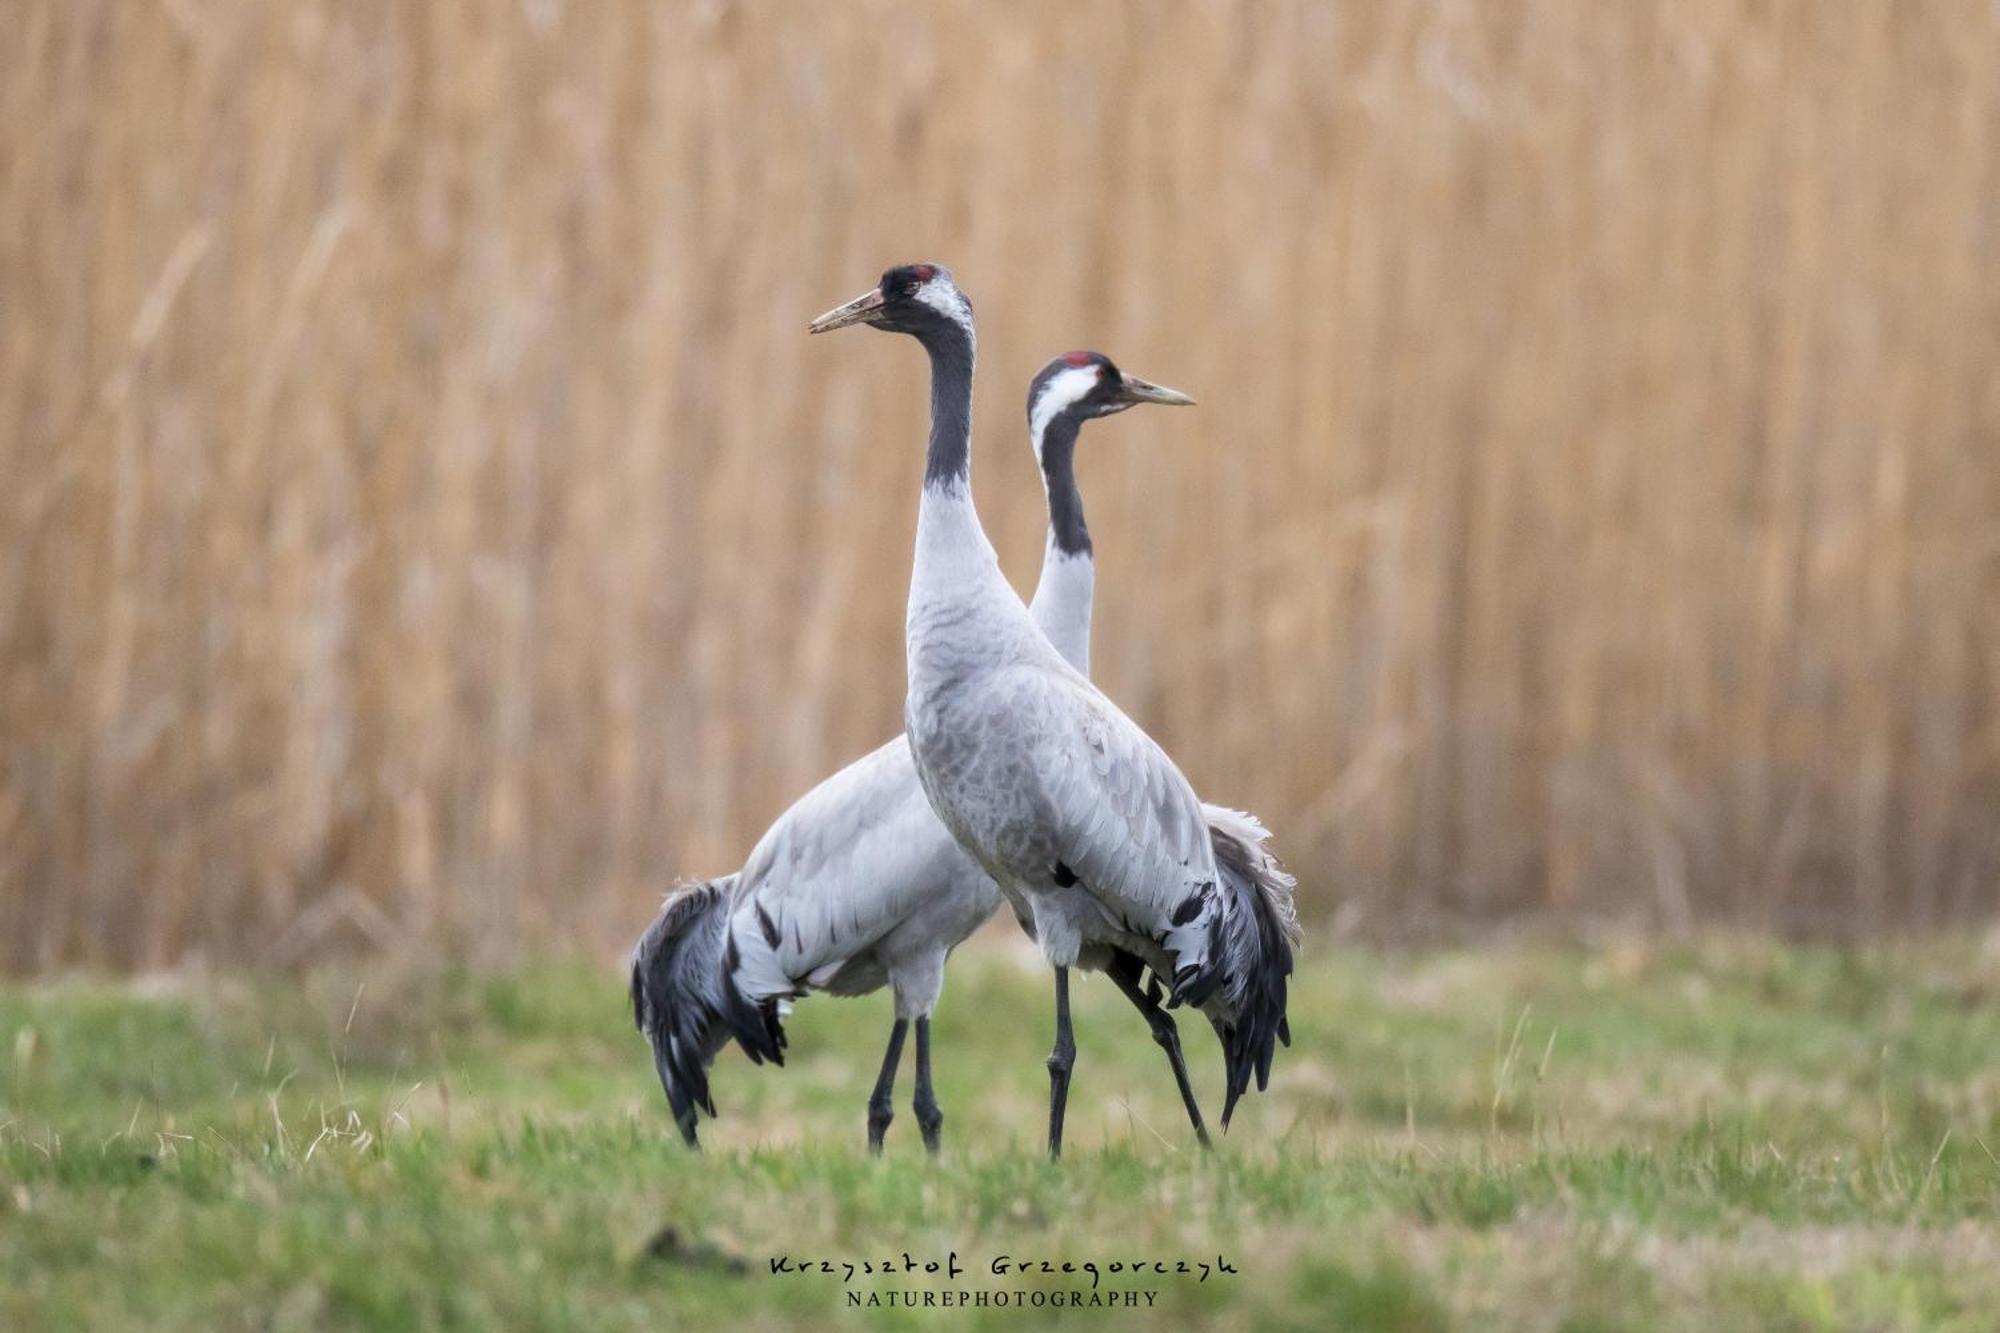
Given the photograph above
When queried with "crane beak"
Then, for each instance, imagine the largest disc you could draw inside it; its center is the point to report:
(1136, 390)
(861, 310)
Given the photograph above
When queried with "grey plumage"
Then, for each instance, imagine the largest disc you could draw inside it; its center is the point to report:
(1097, 839)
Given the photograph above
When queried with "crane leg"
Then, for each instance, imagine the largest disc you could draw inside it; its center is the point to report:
(1061, 1060)
(881, 1106)
(929, 1118)
(1166, 1033)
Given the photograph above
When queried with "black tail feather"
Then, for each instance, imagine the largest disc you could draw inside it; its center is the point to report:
(1258, 949)
(1250, 1041)
(673, 996)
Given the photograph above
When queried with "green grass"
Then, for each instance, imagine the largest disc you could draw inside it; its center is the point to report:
(1729, 1135)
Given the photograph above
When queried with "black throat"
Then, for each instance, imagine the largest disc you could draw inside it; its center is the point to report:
(1066, 525)
(949, 460)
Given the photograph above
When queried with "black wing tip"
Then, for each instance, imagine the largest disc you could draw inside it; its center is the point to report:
(1195, 985)
(753, 1023)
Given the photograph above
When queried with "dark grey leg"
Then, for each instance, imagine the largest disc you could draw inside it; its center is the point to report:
(1061, 1060)
(881, 1107)
(929, 1118)
(1168, 1036)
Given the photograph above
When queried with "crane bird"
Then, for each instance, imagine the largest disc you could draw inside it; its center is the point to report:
(858, 885)
(1094, 836)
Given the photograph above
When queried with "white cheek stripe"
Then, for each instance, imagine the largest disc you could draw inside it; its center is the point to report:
(940, 295)
(1062, 390)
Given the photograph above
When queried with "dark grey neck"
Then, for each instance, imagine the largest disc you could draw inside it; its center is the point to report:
(1066, 525)
(949, 462)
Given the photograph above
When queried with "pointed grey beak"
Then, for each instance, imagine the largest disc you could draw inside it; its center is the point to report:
(861, 310)
(1136, 390)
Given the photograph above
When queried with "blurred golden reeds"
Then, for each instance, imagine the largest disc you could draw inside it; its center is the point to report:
(424, 521)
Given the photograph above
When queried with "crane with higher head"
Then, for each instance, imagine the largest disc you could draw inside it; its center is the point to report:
(1094, 836)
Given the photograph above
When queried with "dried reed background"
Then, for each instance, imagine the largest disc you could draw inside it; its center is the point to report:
(424, 519)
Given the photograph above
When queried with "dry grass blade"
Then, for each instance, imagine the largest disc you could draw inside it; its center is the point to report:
(424, 523)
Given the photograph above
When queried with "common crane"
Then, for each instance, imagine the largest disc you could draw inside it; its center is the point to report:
(1094, 836)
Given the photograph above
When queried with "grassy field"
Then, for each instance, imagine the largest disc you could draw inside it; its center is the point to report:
(1712, 1136)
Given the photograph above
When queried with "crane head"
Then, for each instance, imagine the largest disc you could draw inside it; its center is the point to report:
(911, 298)
(1087, 385)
